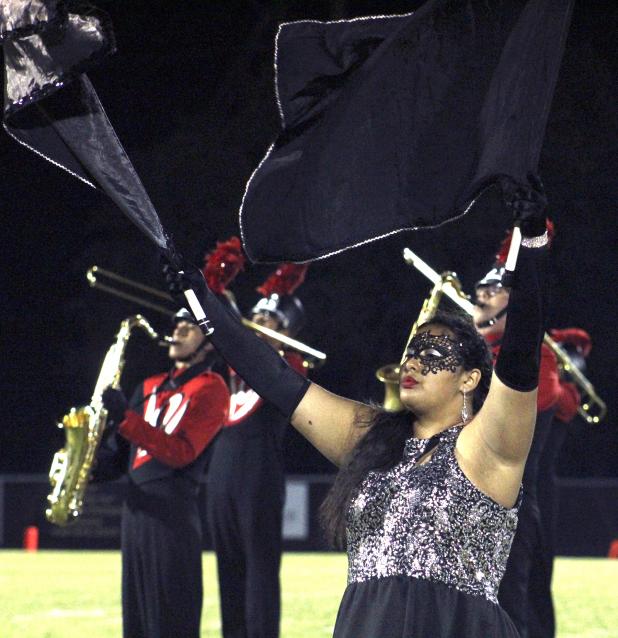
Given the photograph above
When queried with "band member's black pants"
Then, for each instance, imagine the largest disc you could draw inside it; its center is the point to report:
(161, 560)
(245, 495)
(525, 590)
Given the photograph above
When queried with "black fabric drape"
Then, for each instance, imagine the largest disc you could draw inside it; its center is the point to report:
(51, 108)
(397, 122)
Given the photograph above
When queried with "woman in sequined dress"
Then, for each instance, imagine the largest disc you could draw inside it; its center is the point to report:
(426, 513)
(425, 501)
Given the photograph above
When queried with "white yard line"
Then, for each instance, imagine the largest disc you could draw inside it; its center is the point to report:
(61, 613)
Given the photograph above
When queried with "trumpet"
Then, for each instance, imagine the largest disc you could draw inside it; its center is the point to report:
(125, 288)
(592, 408)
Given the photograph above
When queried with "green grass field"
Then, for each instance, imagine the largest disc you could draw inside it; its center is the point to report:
(77, 594)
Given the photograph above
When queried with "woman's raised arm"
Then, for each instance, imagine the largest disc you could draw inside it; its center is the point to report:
(328, 421)
(495, 445)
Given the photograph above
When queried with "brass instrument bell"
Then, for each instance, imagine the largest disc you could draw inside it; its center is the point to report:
(389, 376)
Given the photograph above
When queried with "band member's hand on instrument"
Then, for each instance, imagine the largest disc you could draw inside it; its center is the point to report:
(116, 405)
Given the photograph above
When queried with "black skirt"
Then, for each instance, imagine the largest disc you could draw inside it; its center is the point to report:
(404, 607)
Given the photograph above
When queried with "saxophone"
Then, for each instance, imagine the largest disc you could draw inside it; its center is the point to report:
(83, 428)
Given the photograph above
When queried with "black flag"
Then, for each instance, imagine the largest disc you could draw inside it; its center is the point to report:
(398, 122)
(51, 107)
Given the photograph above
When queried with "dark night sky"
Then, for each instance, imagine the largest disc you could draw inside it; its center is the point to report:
(190, 95)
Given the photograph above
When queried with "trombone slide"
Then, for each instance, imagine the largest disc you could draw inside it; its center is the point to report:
(412, 259)
(95, 274)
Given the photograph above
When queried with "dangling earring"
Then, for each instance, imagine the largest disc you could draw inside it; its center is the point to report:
(464, 408)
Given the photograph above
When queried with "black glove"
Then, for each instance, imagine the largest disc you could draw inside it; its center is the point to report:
(178, 281)
(528, 203)
(519, 359)
(116, 405)
(252, 358)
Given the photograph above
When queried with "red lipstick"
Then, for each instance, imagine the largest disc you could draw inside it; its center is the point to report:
(408, 382)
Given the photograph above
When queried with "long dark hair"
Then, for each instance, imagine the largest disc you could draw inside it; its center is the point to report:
(381, 448)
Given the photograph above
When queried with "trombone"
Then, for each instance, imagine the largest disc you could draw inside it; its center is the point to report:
(592, 408)
(112, 283)
(590, 399)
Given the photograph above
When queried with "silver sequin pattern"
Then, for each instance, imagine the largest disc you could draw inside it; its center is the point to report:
(429, 521)
(535, 242)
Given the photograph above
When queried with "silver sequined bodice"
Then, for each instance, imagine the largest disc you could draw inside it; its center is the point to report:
(429, 521)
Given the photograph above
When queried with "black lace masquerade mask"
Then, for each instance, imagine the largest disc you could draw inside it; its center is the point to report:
(436, 352)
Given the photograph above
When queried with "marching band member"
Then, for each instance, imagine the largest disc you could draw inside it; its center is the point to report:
(163, 436)
(246, 480)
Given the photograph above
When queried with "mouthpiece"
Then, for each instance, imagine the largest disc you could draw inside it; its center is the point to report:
(167, 341)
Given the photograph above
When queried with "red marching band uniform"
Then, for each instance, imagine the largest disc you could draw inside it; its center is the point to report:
(175, 425)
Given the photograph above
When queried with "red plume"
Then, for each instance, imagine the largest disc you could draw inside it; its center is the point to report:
(573, 336)
(503, 251)
(285, 280)
(223, 264)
